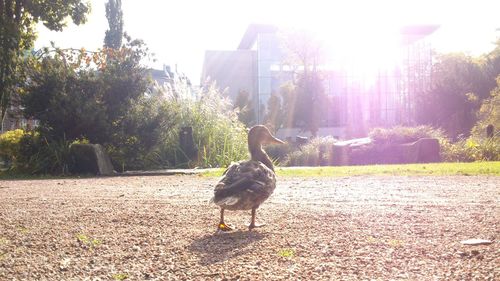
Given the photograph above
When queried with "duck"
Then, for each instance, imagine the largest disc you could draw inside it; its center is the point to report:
(246, 185)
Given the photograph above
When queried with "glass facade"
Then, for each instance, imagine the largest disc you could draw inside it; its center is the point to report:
(268, 56)
(381, 97)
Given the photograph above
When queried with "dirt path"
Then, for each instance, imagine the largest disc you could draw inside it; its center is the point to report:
(162, 228)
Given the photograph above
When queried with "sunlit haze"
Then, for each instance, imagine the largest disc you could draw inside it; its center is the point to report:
(179, 32)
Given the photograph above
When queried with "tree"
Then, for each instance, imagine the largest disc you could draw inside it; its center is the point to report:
(489, 113)
(18, 20)
(114, 34)
(72, 99)
(304, 53)
(302, 50)
(243, 105)
(491, 66)
(454, 96)
(274, 115)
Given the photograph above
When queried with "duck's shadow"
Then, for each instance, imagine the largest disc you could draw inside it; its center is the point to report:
(215, 248)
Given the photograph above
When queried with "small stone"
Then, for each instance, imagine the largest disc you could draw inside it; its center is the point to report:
(462, 254)
(475, 242)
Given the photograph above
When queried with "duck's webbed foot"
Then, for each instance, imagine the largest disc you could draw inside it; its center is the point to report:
(224, 227)
(252, 224)
(255, 225)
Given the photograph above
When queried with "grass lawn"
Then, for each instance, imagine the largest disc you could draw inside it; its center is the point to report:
(432, 169)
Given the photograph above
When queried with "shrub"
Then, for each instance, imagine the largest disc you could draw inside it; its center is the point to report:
(149, 122)
(105, 98)
(469, 150)
(97, 96)
(10, 144)
(383, 150)
(401, 134)
(29, 152)
(318, 152)
(488, 114)
(39, 155)
(279, 152)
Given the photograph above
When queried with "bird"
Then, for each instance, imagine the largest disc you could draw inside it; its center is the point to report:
(246, 185)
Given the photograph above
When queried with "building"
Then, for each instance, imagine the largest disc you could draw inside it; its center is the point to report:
(171, 81)
(364, 92)
(14, 118)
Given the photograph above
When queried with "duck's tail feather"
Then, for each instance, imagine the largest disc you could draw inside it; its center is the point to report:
(227, 201)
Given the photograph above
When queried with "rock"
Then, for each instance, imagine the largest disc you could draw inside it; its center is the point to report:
(341, 155)
(425, 150)
(300, 141)
(475, 242)
(342, 150)
(90, 159)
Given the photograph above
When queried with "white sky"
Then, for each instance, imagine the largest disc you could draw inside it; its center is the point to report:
(179, 31)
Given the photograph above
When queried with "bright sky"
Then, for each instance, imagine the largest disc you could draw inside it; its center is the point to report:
(179, 32)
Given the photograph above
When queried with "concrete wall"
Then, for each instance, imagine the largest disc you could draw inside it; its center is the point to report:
(234, 70)
(292, 133)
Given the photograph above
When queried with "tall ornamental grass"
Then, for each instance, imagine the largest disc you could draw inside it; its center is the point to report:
(219, 137)
(318, 152)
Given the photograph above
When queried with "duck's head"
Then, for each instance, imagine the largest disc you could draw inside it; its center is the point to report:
(259, 135)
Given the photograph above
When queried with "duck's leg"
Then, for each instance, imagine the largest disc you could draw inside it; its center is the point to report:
(252, 222)
(222, 225)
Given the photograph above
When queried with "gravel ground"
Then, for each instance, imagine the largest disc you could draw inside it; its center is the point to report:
(162, 228)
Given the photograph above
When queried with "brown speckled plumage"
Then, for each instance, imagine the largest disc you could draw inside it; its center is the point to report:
(247, 184)
(244, 186)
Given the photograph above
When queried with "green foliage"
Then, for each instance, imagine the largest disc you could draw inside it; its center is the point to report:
(311, 102)
(40, 155)
(402, 134)
(489, 113)
(97, 96)
(244, 108)
(459, 84)
(30, 153)
(218, 134)
(114, 14)
(470, 150)
(274, 117)
(318, 152)
(10, 144)
(120, 276)
(305, 98)
(87, 241)
(67, 104)
(491, 66)
(383, 149)
(106, 98)
(150, 121)
(279, 152)
(286, 253)
(18, 20)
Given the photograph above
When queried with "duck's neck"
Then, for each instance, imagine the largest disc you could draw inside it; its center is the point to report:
(258, 154)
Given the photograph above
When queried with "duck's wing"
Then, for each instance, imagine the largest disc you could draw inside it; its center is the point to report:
(250, 177)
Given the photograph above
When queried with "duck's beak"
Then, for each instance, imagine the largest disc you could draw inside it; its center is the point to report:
(273, 140)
